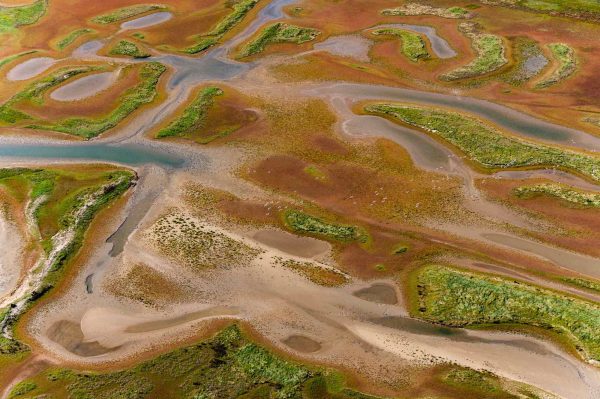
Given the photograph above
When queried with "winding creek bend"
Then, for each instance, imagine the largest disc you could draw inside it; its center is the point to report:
(370, 306)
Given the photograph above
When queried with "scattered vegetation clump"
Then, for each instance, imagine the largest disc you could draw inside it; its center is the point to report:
(194, 115)
(413, 45)
(22, 388)
(315, 172)
(584, 9)
(458, 298)
(13, 17)
(34, 91)
(530, 61)
(144, 284)
(11, 58)
(469, 379)
(279, 33)
(486, 145)
(126, 13)
(203, 42)
(142, 93)
(228, 365)
(185, 240)
(413, 9)
(321, 275)
(566, 61)
(70, 38)
(400, 249)
(301, 222)
(559, 191)
(127, 48)
(490, 55)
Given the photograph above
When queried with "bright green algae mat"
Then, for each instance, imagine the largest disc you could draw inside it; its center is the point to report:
(459, 298)
(486, 145)
(226, 366)
(279, 33)
(13, 17)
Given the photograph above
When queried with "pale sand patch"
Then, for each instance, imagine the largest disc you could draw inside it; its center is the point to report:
(11, 247)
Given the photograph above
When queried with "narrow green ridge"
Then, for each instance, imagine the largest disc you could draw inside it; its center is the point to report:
(126, 13)
(279, 33)
(487, 146)
(565, 193)
(70, 38)
(413, 45)
(564, 56)
(459, 298)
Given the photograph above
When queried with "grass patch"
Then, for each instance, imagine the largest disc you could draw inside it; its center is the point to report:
(413, 45)
(485, 145)
(33, 93)
(413, 9)
(72, 36)
(13, 57)
(582, 283)
(459, 298)
(194, 115)
(477, 381)
(226, 366)
(127, 48)
(303, 223)
(566, 61)
(279, 33)
(126, 13)
(490, 55)
(564, 193)
(572, 8)
(14, 17)
(315, 172)
(142, 93)
(203, 42)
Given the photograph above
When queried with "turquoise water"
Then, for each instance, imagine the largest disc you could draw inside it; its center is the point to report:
(128, 154)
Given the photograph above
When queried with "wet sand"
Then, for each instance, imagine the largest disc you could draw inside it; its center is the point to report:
(305, 247)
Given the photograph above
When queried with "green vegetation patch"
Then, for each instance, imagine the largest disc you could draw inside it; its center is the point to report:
(459, 298)
(33, 93)
(486, 145)
(490, 55)
(279, 33)
(72, 36)
(582, 283)
(413, 9)
(126, 13)
(13, 17)
(127, 48)
(203, 42)
(413, 45)
(193, 116)
(226, 366)
(479, 381)
(559, 191)
(11, 58)
(301, 222)
(133, 98)
(566, 61)
(587, 9)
